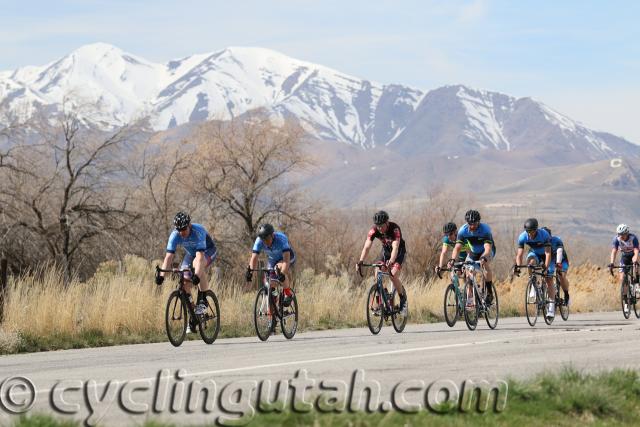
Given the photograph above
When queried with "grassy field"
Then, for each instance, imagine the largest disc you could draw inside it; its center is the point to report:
(127, 307)
(568, 398)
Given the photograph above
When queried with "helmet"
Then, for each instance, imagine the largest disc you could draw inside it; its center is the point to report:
(472, 216)
(531, 224)
(547, 230)
(449, 227)
(622, 229)
(380, 217)
(265, 231)
(181, 220)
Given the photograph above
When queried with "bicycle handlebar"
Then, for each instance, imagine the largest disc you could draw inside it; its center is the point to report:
(376, 264)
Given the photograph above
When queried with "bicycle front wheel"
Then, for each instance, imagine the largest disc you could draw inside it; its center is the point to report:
(209, 322)
(471, 309)
(289, 319)
(492, 311)
(450, 305)
(531, 303)
(375, 309)
(624, 299)
(175, 319)
(262, 314)
(398, 320)
(545, 308)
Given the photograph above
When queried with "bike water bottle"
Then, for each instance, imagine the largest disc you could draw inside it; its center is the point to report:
(274, 292)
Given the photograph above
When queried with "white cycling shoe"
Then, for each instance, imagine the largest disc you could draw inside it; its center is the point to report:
(551, 310)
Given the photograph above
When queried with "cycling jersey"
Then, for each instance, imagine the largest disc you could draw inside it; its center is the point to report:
(393, 234)
(538, 243)
(449, 244)
(197, 240)
(279, 246)
(475, 240)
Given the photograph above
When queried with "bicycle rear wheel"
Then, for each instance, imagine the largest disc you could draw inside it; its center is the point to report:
(262, 314)
(471, 312)
(492, 310)
(175, 319)
(450, 305)
(624, 298)
(531, 303)
(289, 319)
(397, 319)
(375, 309)
(209, 322)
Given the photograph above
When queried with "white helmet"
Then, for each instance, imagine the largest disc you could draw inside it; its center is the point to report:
(622, 229)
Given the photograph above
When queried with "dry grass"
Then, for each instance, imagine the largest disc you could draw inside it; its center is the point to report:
(128, 304)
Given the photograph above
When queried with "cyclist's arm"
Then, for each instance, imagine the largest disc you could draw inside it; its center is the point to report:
(443, 252)
(168, 260)
(394, 251)
(635, 255)
(487, 250)
(253, 261)
(456, 250)
(614, 252)
(365, 249)
(559, 255)
(286, 259)
(547, 256)
(519, 256)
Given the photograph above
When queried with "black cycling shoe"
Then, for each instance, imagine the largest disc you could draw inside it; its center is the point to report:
(489, 299)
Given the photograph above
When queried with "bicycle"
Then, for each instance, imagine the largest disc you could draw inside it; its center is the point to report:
(630, 296)
(473, 274)
(269, 308)
(180, 311)
(381, 305)
(536, 295)
(454, 302)
(561, 303)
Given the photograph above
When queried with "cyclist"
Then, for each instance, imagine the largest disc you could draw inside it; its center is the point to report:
(561, 264)
(539, 242)
(450, 232)
(200, 252)
(477, 238)
(280, 256)
(627, 243)
(393, 251)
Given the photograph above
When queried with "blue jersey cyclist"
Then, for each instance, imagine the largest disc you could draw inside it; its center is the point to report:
(561, 265)
(200, 252)
(477, 238)
(280, 256)
(450, 232)
(627, 243)
(539, 243)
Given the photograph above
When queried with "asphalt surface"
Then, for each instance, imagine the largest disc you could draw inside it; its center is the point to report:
(343, 359)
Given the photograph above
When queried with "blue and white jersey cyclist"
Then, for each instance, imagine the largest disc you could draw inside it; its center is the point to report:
(561, 266)
(539, 243)
(280, 255)
(477, 239)
(627, 243)
(200, 252)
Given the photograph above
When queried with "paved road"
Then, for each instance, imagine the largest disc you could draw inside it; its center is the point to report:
(428, 353)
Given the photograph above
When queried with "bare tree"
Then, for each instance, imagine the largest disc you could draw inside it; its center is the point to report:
(60, 184)
(244, 166)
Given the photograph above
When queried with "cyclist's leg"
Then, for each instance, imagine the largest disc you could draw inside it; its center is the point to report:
(624, 261)
(187, 262)
(550, 284)
(203, 267)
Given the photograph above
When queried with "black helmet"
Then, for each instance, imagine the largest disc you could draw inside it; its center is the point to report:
(449, 227)
(472, 216)
(380, 217)
(181, 220)
(265, 231)
(547, 230)
(531, 224)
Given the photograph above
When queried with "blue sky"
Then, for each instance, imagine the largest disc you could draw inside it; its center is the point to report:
(580, 57)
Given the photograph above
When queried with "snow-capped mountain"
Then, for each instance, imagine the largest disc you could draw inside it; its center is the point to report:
(452, 120)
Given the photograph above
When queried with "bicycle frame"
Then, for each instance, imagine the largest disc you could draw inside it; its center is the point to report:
(387, 297)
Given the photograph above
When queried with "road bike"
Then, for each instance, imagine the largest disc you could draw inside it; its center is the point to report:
(629, 297)
(180, 311)
(382, 305)
(270, 306)
(476, 292)
(454, 299)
